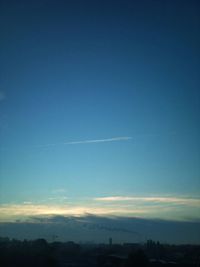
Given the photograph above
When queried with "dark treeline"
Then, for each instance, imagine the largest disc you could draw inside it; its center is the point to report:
(41, 253)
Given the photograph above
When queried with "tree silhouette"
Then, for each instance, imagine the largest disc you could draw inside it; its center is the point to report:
(137, 258)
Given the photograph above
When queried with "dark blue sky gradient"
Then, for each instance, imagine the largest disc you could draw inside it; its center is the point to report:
(85, 70)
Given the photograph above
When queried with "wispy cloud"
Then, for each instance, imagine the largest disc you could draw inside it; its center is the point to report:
(89, 141)
(174, 208)
(11, 212)
(169, 200)
(113, 139)
(59, 190)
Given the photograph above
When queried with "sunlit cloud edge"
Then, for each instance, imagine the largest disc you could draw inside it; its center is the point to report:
(173, 200)
(176, 208)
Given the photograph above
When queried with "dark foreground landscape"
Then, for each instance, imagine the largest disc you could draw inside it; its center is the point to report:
(41, 253)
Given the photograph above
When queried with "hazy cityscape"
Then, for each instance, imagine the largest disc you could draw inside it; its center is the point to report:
(41, 253)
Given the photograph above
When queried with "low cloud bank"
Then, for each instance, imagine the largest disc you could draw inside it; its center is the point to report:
(98, 229)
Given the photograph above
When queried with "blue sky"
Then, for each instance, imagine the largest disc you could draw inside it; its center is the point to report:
(124, 73)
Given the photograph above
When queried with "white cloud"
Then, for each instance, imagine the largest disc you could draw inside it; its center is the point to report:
(171, 200)
(91, 141)
(11, 212)
(114, 139)
(173, 208)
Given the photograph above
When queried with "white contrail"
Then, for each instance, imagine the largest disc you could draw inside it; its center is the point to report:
(114, 139)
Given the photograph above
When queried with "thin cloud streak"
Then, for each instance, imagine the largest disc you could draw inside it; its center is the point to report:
(171, 200)
(114, 139)
(91, 141)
